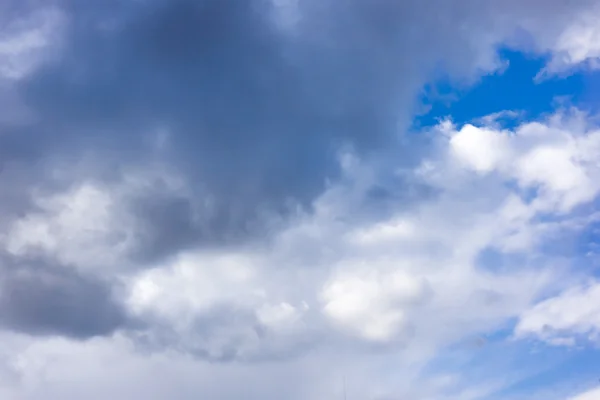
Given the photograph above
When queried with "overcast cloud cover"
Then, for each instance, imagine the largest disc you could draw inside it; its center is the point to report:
(240, 199)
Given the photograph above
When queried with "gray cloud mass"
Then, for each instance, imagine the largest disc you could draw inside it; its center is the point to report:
(42, 299)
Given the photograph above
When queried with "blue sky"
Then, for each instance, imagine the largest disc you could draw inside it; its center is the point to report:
(514, 88)
(266, 199)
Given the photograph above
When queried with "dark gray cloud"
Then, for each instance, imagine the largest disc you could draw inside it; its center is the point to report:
(247, 118)
(40, 299)
(254, 115)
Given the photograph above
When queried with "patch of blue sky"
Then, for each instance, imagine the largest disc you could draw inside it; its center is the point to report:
(564, 370)
(587, 249)
(494, 361)
(496, 261)
(575, 238)
(589, 98)
(513, 89)
(517, 369)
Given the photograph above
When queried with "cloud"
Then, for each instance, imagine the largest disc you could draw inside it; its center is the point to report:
(556, 158)
(179, 81)
(362, 281)
(212, 191)
(27, 41)
(370, 305)
(99, 368)
(187, 66)
(589, 395)
(381, 281)
(578, 46)
(42, 300)
(89, 223)
(564, 319)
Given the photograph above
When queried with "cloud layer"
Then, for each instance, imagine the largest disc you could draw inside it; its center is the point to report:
(206, 192)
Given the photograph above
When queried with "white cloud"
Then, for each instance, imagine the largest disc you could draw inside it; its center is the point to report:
(559, 320)
(88, 225)
(372, 304)
(195, 282)
(480, 148)
(557, 157)
(214, 304)
(77, 227)
(578, 45)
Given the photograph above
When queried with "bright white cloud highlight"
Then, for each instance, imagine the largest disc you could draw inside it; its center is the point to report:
(480, 148)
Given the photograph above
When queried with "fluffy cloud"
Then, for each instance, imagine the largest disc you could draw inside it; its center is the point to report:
(558, 159)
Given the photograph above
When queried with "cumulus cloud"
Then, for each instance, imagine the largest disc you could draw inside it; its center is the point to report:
(557, 158)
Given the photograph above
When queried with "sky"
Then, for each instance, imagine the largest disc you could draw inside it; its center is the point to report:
(300, 199)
